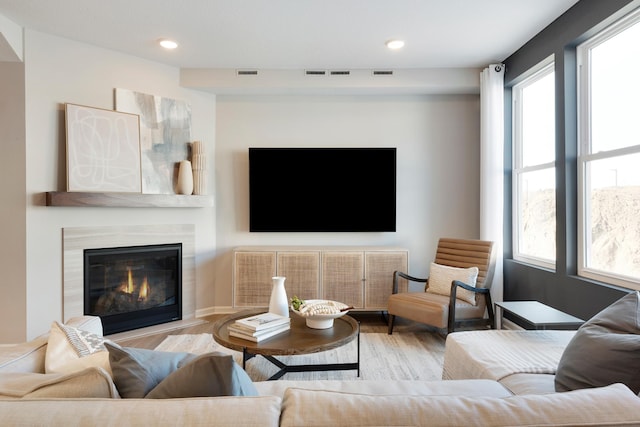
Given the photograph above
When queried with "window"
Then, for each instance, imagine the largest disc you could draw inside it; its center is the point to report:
(534, 185)
(609, 154)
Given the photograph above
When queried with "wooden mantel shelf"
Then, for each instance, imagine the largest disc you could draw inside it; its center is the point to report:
(126, 200)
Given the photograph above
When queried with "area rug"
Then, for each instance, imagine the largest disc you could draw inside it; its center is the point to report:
(401, 356)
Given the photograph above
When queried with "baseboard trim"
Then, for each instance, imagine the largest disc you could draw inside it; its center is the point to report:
(156, 329)
(210, 311)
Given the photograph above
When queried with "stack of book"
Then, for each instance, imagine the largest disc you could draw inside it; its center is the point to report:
(259, 327)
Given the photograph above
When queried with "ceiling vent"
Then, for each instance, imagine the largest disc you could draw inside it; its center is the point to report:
(247, 72)
(340, 73)
(382, 72)
(315, 72)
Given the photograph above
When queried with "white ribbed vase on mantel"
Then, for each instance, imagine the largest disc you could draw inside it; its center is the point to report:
(278, 303)
(199, 165)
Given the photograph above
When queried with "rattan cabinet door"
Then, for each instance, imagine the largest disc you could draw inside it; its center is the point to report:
(252, 275)
(302, 270)
(342, 276)
(379, 268)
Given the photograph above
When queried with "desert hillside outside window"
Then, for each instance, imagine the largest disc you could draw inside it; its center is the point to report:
(534, 186)
(609, 154)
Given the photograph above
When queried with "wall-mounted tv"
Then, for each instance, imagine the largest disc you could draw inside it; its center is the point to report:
(322, 189)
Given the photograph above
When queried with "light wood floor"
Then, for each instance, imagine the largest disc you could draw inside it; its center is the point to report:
(369, 322)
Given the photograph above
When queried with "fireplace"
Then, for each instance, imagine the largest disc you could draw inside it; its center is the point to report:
(133, 287)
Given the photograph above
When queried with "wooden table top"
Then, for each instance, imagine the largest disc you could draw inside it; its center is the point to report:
(300, 339)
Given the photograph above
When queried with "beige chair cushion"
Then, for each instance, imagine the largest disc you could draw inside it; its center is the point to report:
(430, 308)
(441, 276)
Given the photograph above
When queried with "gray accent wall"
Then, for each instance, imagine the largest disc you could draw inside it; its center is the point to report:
(562, 288)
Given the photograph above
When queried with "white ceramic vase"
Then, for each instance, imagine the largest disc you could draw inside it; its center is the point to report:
(185, 178)
(279, 304)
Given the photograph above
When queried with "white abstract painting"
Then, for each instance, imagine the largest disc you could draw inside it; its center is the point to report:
(165, 134)
(103, 150)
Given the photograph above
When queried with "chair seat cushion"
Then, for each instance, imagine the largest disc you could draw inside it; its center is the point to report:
(429, 308)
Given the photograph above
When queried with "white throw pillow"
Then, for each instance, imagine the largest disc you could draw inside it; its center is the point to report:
(441, 276)
(71, 349)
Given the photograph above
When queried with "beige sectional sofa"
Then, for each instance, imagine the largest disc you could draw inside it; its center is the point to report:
(88, 396)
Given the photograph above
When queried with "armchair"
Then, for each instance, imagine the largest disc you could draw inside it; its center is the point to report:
(448, 311)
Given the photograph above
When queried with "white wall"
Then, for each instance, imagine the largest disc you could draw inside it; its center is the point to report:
(58, 70)
(437, 138)
(438, 166)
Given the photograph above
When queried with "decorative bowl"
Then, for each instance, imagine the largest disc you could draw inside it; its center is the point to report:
(322, 321)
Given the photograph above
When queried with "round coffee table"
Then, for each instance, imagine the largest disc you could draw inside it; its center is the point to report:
(300, 339)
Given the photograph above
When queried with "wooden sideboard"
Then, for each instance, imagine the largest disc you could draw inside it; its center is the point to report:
(358, 276)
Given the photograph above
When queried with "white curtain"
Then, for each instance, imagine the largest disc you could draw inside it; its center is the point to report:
(492, 166)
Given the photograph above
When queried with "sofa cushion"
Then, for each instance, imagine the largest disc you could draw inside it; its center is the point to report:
(25, 357)
(91, 324)
(480, 388)
(212, 374)
(210, 412)
(496, 354)
(30, 356)
(605, 350)
(529, 383)
(136, 371)
(441, 276)
(612, 405)
(90, 382)
(71, 349)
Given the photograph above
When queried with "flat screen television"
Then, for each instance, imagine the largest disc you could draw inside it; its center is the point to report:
(322, 189)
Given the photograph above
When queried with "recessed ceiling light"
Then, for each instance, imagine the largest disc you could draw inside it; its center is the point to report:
(168, 44)
(395, 44)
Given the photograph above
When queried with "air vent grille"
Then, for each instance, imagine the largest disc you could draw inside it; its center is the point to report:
(315, 72)
(340, 73)
(382, 72)
(247, 72)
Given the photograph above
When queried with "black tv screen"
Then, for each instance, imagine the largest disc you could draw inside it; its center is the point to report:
(322, 189)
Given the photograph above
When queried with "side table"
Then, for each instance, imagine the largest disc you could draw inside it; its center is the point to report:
(537, 315)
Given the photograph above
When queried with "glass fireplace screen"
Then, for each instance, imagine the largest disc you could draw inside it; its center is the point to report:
(133, 287)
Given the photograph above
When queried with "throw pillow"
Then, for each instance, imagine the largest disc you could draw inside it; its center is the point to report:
(212, 374)
(441, 276)
(71, 349)
(604, 350)
(136, 371)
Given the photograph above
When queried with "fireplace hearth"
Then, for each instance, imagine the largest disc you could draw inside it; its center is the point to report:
(133, 287)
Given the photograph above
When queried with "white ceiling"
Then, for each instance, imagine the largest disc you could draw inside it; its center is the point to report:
(297, 34)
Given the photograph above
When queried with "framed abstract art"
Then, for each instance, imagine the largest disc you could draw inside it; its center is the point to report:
(103, 150)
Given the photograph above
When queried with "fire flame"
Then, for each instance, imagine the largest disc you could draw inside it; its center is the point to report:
(144, 290)
(129, 282)
(128, 287)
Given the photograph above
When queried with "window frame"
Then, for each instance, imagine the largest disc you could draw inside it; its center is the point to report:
(534, 74)
(585, 155)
